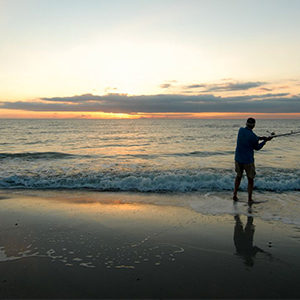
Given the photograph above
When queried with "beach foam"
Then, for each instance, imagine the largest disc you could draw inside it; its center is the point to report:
(161, 181)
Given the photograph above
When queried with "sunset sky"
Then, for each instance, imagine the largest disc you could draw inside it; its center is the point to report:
(149, 58)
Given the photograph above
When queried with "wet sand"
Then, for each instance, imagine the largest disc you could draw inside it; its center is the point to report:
(80, 245)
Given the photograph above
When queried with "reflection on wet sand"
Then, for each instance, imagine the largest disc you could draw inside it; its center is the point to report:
(78, 231)
(243, 241)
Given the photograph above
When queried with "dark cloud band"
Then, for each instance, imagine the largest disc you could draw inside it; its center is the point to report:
(120, 103)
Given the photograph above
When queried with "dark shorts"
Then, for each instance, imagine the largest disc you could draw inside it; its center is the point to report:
(249, 169)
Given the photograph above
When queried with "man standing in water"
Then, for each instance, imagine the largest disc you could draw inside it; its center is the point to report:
(247, 142)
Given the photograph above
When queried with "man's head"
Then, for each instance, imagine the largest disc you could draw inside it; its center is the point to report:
(250, 123)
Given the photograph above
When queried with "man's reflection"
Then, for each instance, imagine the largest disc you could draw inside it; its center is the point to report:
(243, 240)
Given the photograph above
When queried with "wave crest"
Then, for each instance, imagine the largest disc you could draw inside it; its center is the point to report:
(148, 182)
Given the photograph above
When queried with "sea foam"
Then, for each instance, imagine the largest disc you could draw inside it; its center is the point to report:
(148, 182)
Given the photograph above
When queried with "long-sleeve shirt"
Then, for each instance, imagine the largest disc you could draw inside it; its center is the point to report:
(247, 142)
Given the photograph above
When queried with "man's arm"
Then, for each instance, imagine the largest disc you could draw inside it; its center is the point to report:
(256, 145)
(264, 138)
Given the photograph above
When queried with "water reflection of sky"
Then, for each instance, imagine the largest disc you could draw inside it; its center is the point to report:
(92, 229)
(126, 236)
(78, 230)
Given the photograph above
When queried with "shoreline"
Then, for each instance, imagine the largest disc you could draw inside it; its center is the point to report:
(82, 245)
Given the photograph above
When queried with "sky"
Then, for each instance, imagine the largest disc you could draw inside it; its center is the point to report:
(149, 58)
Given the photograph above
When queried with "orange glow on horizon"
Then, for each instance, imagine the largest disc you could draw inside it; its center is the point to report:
(19, 114)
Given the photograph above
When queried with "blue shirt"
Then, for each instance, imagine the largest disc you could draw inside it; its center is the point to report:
(247, 142)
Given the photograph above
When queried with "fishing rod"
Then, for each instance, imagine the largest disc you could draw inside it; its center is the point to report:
(273, 134)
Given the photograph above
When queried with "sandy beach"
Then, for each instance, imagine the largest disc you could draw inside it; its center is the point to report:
(78, 245)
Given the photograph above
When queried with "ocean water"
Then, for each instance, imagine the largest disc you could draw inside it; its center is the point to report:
(142, 155)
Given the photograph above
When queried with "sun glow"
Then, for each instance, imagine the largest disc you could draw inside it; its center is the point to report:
(19, 114)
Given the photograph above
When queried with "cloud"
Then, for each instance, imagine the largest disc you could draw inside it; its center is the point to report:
(196, 86)
(175, 103)
(83, 116)
(225, 87)
(283, 87)
(107, 89)
(265, 89)
(74, 99)
(238, 86)
(165, 85)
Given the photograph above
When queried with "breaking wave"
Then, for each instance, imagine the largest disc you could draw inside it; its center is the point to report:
(148, 182)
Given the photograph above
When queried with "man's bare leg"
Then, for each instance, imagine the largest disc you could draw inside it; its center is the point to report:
(250, 189)
(237, 183)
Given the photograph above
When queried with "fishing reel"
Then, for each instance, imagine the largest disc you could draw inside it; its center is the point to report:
(272, 134)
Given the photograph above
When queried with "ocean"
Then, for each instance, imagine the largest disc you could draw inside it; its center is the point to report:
(146, 155)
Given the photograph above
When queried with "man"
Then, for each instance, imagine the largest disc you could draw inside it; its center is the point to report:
(247, 142)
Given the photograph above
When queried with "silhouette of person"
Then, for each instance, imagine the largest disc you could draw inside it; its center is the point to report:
(243, 240)
(247, 142)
